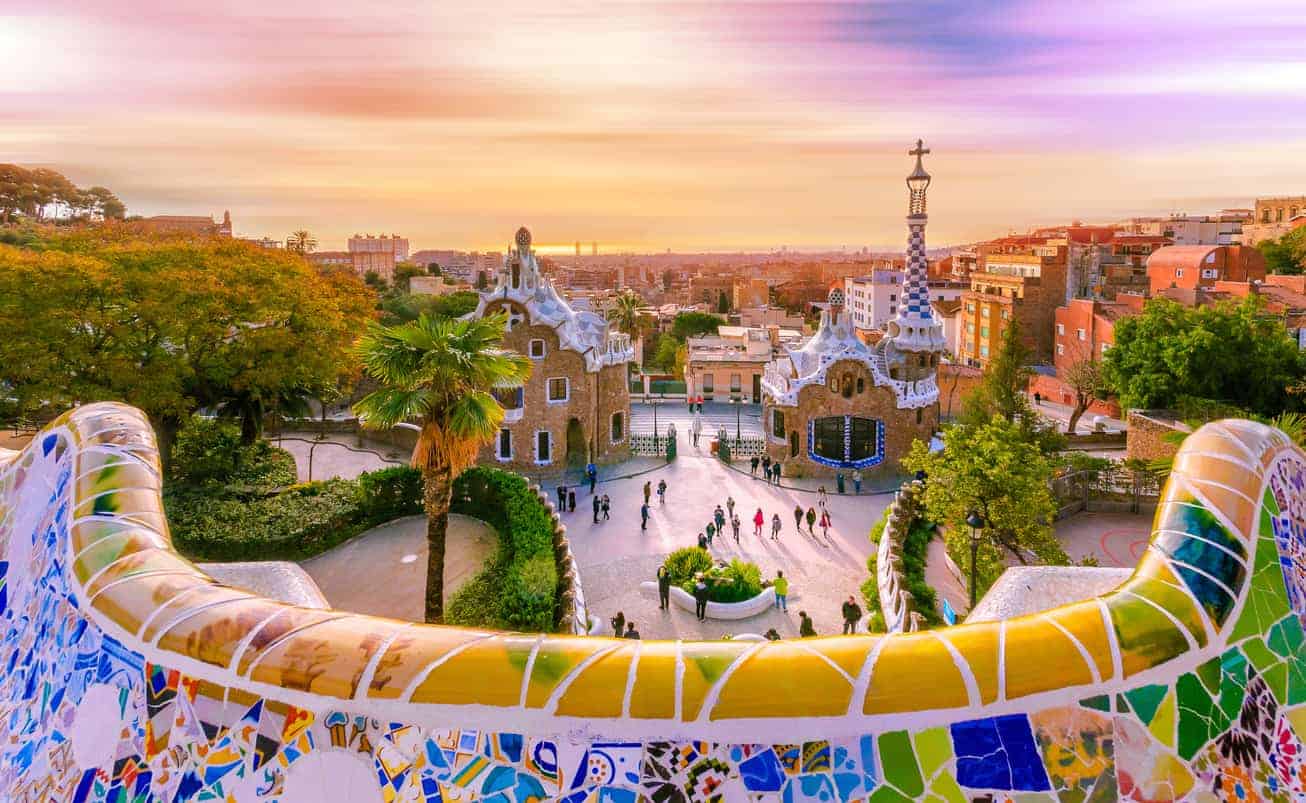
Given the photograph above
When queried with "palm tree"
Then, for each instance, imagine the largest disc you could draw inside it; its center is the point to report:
(301, 242)
(626, 312)
(440, 373)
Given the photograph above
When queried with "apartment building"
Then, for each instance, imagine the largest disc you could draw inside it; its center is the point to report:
(1025, 286)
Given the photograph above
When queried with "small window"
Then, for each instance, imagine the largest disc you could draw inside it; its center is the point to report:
(559, 389)
(537, 349)
(1061, 328)
(893, 309)
(1061, 349)
(984, 331)
(1080, 334)
(618, 427)
(709, 384)
(505, 444)
(861, 385)
(984, 351)
(893, 297)
(1179, 273)
(543, 447)
(984, 313)
(1105, 346)
(736, 383)
(777, 424)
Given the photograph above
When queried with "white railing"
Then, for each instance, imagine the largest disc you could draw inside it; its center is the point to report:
(746, 446)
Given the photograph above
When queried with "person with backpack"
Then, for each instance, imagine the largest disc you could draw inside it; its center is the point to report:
(571, 499)
(852, 614)
(598, 505)
(592, 472)
(766, 467)
(562, 499)
(719, 516)
(710, 529)
(775, 471)
(607, 508)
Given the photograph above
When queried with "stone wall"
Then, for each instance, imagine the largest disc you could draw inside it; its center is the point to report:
(1146, 437)
(896, 602)
(901, 427)
(539, 414)
(130, 674)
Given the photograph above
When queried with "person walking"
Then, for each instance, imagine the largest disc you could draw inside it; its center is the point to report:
(607, 508)
(643, 516)
(711, 532)
(766, 467)
(758, 520)
(822, 498)
(798, 518)
(805, 629)
(562, 499)
(571, 499)
(664, 588)
(753, 466)
(811, 521)
(781, 586)
(857, 480)
(825, 524)
(730, 506)
(631, 632)
(662, 492)
(719, 516)
(700, 597)
(592, 472)
(1038, 398)
(598, 505)
(702, 541)
(775, 472)
(618, 623)
(852, 614)
(648, 492)
(775, 527)
(734, 526)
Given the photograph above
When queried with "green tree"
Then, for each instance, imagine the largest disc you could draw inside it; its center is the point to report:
(1084, 377)
(1232, 352)
(1003, 388)
(723, 303)
(433, 268)
(992, 469)
(169, 324)
(440, 373)
(625, 313)
(101, 201)
(301, 242)
(404, 272)
(1286, 255)
(401, 307)
(373, 280)
(693, 324)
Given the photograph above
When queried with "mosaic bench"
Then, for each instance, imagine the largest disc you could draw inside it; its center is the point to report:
(129, 674)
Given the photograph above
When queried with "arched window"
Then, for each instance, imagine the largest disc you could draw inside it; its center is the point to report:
(844, 441)
(861, 385)
(793, 443)
(847, 386)
(516, 275)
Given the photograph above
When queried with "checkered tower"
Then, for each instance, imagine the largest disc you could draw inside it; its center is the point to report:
(915, 328)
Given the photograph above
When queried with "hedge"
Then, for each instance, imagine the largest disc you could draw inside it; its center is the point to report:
(222, 524)
(527, 577)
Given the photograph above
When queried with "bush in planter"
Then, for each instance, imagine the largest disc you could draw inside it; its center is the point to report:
(683, 564)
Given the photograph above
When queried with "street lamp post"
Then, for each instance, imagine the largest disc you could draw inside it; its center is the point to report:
(738, 402)
(976, 522)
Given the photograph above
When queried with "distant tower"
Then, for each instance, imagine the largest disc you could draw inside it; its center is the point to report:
(594, 248)
(578, 248)
(915, 329)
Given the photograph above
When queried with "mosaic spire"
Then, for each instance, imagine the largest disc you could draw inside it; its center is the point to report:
(915, 327)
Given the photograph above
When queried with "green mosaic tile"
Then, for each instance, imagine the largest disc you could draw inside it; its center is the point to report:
(1145, 699)
(1267, 599)
(945, 788)
(933, 749)
(899, 762)
(1200, 717)
(1099, 703)
(886, 794)
(1258, 653)
(1162, 726)
(1276, 677)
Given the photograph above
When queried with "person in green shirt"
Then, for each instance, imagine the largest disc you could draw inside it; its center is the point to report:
(781, 591)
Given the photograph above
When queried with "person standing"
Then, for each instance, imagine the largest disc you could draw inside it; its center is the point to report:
(598, 505)
(702, 541)
(758, 520)
(719, 516)
(607, 508)
(825, 524)
(805, 629)
(781, 591)
(662, 492)
(734, 525)
(592, 472)
(618, 623)
(562, 499)
(822, 498)
(631, 632)
(571, 499)
(711, 532)
(700, 597)
(730, 506)
(775, 472)
(852, 614)
(857, 480)
(1038, 398)
(838, 482)
(643, 516)
(798, 518)
(775, 527)
(766, 467)
(753, 466)
(811, 521)
(664, 588)
(648, 492)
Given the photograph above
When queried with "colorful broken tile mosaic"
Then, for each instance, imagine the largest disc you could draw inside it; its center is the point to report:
(129, 675)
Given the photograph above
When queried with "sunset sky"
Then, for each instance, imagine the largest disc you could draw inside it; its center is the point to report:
(652, 125)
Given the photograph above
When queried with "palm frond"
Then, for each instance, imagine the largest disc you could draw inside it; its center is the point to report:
(387, 406)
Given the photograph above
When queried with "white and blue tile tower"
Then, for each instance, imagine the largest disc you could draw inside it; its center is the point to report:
(915, 329)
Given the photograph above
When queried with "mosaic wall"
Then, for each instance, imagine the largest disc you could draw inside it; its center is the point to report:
(130, 676)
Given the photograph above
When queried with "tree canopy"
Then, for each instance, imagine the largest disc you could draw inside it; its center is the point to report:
(1286, 254)
(400, 307)
(170, 324)
(1003, 392)
(992, 469)
(1232, 352)
(693, 324)
(31, 193)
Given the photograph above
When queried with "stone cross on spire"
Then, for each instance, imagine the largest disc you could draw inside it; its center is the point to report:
(919, 151)
(915, 327)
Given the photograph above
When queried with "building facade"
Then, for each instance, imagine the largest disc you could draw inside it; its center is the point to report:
(1272, 218)
(836, 404)
(1194, 267)
(1026, 287)
(575, 407)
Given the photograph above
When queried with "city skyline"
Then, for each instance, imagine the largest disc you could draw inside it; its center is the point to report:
(655, 126)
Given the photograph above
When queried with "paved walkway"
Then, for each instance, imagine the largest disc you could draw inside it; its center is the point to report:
(1115, 539)
(338, 455)
(383, 571)
(716, 414)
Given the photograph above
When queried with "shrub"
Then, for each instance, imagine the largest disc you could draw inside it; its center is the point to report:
(683, 564)
(390, 493)
(732, 582)
(209, 452)
(527, 573)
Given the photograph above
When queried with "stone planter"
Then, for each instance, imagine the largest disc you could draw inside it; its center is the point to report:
(717, 610)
